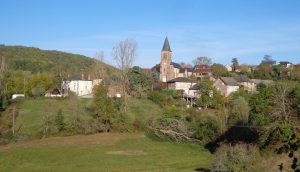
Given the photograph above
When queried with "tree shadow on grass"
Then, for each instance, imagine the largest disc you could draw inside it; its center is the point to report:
(234, 135)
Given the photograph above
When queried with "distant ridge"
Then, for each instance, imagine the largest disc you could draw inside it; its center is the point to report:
(37, 60)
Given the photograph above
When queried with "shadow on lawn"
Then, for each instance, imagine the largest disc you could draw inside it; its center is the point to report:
(234, 135)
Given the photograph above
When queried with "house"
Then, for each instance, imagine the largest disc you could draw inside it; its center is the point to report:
(181, 83)
(228, 68)
(226, 85)
(245, 82)
(80, 86)
(201, 71)
(285, 64)
(53, 92)
(193, 91)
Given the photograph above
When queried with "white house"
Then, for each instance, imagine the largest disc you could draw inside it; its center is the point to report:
(181, 83)
(228, 68)
(81, 87)
(226, 85)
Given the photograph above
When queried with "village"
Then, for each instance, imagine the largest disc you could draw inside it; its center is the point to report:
(152, 86)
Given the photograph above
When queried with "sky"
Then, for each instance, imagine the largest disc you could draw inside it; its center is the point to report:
(219, 29)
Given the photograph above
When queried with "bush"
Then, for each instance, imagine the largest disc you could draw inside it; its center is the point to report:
(206, 129)
(234, 158)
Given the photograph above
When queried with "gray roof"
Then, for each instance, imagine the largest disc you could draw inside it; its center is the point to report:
(182, 70)
(242, 78)
(176, 65)
(180, 79)
(229, 81)
(195, 87)
(166, 46)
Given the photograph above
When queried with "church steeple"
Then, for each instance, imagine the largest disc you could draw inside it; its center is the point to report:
(166, 46)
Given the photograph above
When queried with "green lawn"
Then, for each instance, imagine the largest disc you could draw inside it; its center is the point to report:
(102, 152)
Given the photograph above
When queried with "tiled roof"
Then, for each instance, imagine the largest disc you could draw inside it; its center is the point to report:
(202, 69)
(229, 81)
(242, 78)
(180, 79)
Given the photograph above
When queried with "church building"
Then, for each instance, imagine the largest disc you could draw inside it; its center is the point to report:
(168, 69)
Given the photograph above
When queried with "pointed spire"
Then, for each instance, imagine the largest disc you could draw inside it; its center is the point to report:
(166, 46)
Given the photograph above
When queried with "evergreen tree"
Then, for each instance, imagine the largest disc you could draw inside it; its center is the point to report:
(59, 121)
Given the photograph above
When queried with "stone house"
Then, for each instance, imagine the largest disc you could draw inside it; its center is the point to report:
(201, 71)
(245, 82)
(226, 85)
(181, 83)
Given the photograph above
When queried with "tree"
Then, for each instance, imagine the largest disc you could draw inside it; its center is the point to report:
(240, 111)
(99, 68)
(267, 59)
(139, 81)
(208, 95)
(218, 69)
(235, 63)
(103, 108)
(124, 54)
(261, 104)
(203, 60)
(59, 121)
(282, 103)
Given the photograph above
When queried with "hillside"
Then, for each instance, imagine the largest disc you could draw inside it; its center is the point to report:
(37, 60)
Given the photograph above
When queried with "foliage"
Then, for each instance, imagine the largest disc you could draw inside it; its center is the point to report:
(239, 112)
(235, 63)
(209, 96)
(218, 70)
(260, 105)
(139, 81)
(205, 129)
(172, 112)
(233, 158)
(203, 61)
(59, 121)
(103, 108)
(36, 60)
(160, 98)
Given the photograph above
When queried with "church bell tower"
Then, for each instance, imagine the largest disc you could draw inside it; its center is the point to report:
(165, 64)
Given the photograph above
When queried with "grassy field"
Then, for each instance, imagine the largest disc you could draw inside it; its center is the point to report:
(32, 111)
(102, 152)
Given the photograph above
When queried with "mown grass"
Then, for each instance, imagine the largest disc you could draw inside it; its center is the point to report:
(132, 152)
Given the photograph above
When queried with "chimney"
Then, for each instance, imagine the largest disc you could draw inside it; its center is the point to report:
(82, 76)
(89, 77)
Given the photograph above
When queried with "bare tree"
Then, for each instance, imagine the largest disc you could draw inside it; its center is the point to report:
(282, 108)
(99, 68)
(203, 61)
(124, 54)
(3, 71)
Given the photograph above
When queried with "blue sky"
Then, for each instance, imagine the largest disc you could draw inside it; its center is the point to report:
(220, 29)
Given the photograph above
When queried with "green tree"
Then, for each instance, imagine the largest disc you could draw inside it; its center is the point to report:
(59, 121)
(208, 95)
(235, 63)
(139, 81)
(218, 69)
(239, 112)
(103, 109)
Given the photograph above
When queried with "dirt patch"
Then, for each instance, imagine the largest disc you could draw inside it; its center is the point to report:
(127, 152)
(98, 139)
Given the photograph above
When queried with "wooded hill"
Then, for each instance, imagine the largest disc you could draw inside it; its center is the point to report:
(37, 60)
